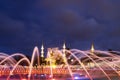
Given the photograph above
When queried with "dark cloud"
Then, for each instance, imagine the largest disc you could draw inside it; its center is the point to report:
(26, 23)
(10, 25)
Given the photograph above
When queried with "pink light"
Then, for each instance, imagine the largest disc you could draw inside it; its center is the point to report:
(50, 76)
(86, 76)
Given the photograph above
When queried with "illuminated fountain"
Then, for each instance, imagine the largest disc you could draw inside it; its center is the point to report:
(61, 64)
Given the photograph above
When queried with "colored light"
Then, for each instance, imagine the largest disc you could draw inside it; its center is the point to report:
(50, 76)
(54, 66)
(76, 77)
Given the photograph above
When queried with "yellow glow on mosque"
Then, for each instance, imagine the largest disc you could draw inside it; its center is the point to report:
(53, 66)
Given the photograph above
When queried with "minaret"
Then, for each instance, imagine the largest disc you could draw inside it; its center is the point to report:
(42, 51)
(64, 47)
(92, 48)
(64, 55)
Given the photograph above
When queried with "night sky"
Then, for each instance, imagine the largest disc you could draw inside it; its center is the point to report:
(27, 23)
